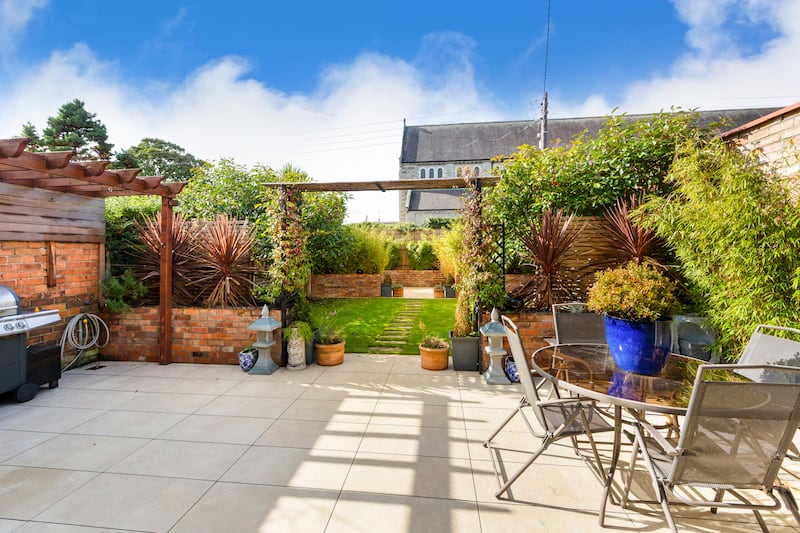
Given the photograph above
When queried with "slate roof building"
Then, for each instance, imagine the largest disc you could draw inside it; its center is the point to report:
(458, 150)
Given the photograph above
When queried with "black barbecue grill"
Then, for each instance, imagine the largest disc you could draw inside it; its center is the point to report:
(23, 369)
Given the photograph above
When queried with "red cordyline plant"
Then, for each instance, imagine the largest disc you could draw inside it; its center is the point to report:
(184, 264)
(629, 240)
(549, 243)
(224, 261)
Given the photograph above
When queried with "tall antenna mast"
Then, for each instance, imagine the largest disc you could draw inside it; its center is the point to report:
(543, 132)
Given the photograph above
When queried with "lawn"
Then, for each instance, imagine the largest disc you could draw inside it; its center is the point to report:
(364, 319)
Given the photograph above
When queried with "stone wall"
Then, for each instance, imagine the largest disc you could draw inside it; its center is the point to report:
(345, 285)
(198, 335)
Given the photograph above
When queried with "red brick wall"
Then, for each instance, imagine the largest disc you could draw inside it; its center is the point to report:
(23, 267)
(533, 329)
(345, 285)
(416, 278)
(198, 335)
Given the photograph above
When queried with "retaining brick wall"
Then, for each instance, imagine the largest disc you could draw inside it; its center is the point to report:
(534, 328)
(345, 285)
(75, 271)
(198, 335)
(416, 278)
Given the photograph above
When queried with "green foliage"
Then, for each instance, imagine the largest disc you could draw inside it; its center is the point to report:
(74, 128)
(447, 248)
(121, 291)
(157, 157)
(369, 254)
(590, 174)
(736, 233)
(225, 187)
(329, 330)
(298, 328)
(421, 256)
(394, 253)
(122, 236)
(29, 131)
(431, 341)
(633, 292)
(481, 281)
(463, 325)
(438, 223)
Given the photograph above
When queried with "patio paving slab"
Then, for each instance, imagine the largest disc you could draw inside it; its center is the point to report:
(376, 444)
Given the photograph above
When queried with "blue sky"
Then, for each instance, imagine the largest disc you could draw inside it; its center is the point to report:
(326, 85)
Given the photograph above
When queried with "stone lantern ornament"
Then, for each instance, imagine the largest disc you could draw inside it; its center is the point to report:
(264, 327)
(494, 332)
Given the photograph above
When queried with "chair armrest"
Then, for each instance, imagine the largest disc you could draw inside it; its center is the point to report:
(656, 435)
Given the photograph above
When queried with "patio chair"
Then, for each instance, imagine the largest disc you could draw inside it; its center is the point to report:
(763, 348)
(558, 418)
(733, 441)
(574, 324)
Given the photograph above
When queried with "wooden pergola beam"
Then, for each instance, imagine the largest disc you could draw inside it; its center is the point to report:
(383, 186)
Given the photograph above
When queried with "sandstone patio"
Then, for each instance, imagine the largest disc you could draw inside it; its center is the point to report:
(375, 445)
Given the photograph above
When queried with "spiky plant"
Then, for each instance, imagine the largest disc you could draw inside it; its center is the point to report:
(225, 264)
(548, 245)
(183, 262)
(627, 239)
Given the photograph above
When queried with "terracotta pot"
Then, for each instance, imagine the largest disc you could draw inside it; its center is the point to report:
(330, 354)
(433, 358)
(438, 293)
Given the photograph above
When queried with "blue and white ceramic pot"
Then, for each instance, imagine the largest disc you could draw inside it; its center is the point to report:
(247, 359)
(639, 347)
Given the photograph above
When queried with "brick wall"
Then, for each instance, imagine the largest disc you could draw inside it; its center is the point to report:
(416, 278)
(776, 140)
(534, 328)
(75, 272)
(198, 335)
(345, 285)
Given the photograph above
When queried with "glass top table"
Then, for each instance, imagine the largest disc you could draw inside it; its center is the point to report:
(589, 370)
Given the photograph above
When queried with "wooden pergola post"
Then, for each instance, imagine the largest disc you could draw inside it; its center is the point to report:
(165, 283)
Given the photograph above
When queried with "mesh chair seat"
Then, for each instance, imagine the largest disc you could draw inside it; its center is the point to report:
(733, 439)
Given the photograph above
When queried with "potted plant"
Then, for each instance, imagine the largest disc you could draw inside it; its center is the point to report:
(329, 342)
(397, 290)
(464, 340)
(297, 334)
(449, 289)
(635, 298)
(386, 285)
(433, 351)
(438, 291)
(248, 358)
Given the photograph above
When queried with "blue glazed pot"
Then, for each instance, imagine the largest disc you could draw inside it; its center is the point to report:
(639, 347)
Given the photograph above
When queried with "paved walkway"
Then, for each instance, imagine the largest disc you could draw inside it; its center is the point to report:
(374, 445)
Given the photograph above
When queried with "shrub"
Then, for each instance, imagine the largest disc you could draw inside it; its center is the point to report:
(369, 255)
(736, 233)
(421, 256)
(121, 291)
(633, 292)
(393, 254)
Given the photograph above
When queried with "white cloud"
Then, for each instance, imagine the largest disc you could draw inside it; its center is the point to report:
(717, 72)
(349, 129)
(14, 16)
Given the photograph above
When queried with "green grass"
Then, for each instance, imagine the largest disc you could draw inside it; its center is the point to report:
(364, 319)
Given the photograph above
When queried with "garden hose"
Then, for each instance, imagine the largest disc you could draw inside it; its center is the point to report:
(83, 332)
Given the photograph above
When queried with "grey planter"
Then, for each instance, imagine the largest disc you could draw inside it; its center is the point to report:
(386, 290)
(449, 291)
(466, 352)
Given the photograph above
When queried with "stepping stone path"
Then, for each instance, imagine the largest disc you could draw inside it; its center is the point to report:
(396, 334)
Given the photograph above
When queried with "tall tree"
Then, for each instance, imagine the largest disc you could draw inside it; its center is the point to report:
(29, 131)
(74, 128)
(157, 157)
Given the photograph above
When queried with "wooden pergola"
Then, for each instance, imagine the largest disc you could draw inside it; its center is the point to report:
(393, 185)
(57, 172)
